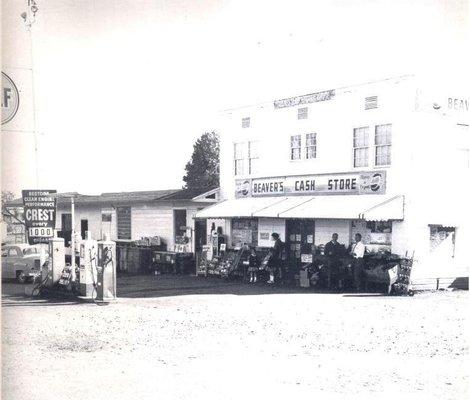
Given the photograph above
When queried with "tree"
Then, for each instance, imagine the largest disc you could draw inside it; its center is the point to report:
(202, 171)
(11, 218)
(7, 197)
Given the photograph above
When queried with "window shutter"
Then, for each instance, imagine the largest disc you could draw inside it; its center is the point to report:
(123, 222)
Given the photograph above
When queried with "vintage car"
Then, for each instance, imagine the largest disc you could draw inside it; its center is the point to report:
(20, 262)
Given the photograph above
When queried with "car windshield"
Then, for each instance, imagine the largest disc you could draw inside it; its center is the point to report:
(30, 250)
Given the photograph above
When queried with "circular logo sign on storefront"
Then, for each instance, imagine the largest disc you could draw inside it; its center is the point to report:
(246, 188)
(10, 99)
(376, 182)
(243, 188)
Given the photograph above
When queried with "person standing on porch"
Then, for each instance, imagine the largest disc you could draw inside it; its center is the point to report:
(357, 251)
(333, 252)
(276, 252)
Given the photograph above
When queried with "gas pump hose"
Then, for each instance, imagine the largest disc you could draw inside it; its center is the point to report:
(37, 288)
(95, 284)
(92, 258)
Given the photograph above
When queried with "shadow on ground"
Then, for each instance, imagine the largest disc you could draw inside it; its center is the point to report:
(154, 286)
(171, 285)
(13, 295)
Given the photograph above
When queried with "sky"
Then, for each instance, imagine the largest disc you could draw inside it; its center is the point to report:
(123, 88)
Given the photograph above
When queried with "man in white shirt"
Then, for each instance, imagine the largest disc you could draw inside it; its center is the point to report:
(357, 252)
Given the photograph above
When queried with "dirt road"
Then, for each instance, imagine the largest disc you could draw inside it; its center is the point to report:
(227, 341)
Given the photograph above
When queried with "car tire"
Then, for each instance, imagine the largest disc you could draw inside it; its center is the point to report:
(21, 277)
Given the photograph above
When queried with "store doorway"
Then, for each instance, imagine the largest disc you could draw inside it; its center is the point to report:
(66, 228)
(83, 228)
(200, 230)
(300, 239)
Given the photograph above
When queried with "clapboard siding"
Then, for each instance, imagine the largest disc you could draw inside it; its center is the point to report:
(152, 221)
(90, 213)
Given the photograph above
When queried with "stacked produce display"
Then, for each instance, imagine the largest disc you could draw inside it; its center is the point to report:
(402, 286)
(383, 271)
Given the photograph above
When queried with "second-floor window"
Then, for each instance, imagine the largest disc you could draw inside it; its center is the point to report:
(296, 147)
(253, 157)
(383, 144)
(310, 145)
(246, 122)
(238, 158)
(302, 113)
(361, 147)
(371, 102)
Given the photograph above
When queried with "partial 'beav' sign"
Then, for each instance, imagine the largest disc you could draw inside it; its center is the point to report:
(10, 99)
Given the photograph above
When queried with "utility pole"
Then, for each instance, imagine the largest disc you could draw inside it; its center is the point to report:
(72, 239)
(29, 17)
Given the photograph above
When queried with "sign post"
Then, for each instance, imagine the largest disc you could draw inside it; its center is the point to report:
(72, 238)
(40, 208)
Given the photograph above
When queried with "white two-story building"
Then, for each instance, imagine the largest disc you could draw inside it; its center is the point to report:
(387, 159)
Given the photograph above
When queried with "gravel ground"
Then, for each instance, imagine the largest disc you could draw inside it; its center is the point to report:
(231, 341)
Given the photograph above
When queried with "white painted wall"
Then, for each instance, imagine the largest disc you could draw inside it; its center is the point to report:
(146, 220)
(430, 154)
(151, 220)
(109, 228)
(324, 228)
(269, 226)
(92, 213)
(333, 121)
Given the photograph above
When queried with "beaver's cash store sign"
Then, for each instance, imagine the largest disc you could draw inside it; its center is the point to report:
(372, 182)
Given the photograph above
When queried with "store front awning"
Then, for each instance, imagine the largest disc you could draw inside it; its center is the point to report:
(368, 207)
(286, 204)
(391, 209)
(238, 207)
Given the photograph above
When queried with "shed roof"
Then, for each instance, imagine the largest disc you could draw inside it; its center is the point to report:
(124, 197)
(187, 194)
(137, 196)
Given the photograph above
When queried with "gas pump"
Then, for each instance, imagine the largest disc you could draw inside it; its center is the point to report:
(106, 270)
(217, 239)
(56, 262)
(88, 259)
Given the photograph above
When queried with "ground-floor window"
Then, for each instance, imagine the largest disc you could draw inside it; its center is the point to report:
(442, 239)
(180, 223)
(244, 231)
(380, 232)
(106, 217)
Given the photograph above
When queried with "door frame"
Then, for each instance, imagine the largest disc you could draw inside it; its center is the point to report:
(83, 232)
(304, 227)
